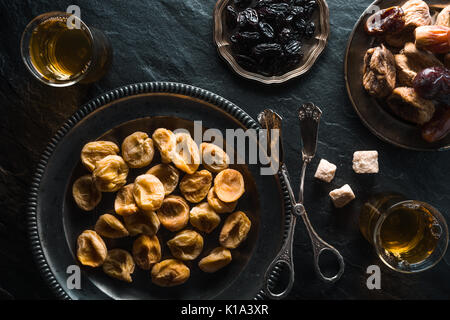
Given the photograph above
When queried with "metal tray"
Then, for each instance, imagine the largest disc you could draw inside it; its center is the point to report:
(54, 221)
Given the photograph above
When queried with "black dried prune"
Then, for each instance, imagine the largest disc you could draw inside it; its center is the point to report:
(267, 50)
(276, 10)
(309, 8)
(297, 11)
(246, 62)
(293, 48)
(248, 17)
(294, 61)
(266, 29)
(263, 3)
(310, 30)
(245, 38)
(231, 17)
(242, 3)
(286, 34)
(300, 26)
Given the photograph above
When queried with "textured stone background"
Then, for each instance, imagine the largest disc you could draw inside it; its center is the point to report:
(171, 40)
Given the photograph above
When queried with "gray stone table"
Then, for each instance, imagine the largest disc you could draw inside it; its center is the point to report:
(171, 40)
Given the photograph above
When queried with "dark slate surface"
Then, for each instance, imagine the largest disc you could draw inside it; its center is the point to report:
(171, 40)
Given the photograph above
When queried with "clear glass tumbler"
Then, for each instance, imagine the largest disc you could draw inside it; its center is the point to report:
(409, 236)
(61, 50)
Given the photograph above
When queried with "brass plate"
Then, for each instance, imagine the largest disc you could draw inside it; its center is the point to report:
(313, 48)
(375, 113)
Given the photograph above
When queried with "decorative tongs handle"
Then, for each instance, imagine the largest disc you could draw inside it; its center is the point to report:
(271, 122)
(309, 117)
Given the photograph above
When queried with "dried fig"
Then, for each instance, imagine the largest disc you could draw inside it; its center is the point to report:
(85, 194)
(408, 105)
(146, 251)
(145, 222)
(110, 174)
(168, 175)
(216, 260)
(379, 74)
(204, 218)
(95, 151)
(124, 204)
(213, 157)
(195, 187)
(186, 155)
(186, 245)
(170, 273)
(229, 185)
(148, 192)
(165, 142)
(443, 19)
(174, 213)
(91, 249)
(417, 13)
(235, 230)
(218, 205)
(109, 226)
(138, 150)
(119, 264)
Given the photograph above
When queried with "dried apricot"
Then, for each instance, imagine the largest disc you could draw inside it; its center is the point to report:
(168, 175)
(229, 185)
(138, 150)
(145, 222)
(91, 249)
(186, 245)
(174, 213)
(119, 264)
(146, 251)
(186, 155)
(204, 218)
(110, 174)
(235, 230)
(85, 194)
(216, 260)
(97, 150)
(148, 192)
(109, 226)
(218, 205)
(195, 187)
(213, 157)
(165, 142)
(170, 273)
(124, 204)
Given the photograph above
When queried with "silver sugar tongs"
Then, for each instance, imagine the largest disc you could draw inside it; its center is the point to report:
(309, 116)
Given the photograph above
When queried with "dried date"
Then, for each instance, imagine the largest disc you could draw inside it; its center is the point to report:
(433, 84)
(387, 21)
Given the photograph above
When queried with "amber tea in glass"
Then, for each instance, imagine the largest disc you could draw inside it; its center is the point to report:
(62, 56)
(409, 236)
